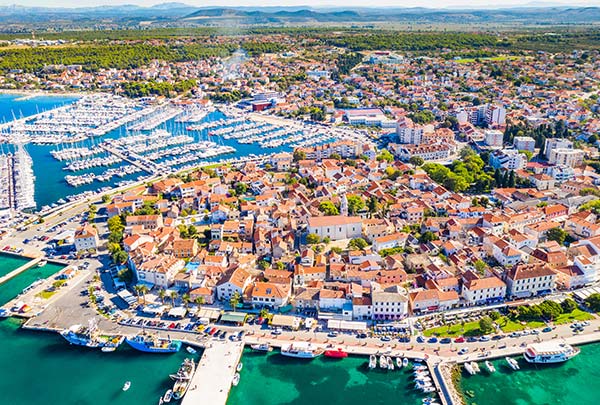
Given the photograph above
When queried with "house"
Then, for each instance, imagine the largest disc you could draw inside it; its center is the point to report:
(86, 238)
(185, 248)
(332, 299)
(335, 227)
(202, 294)
(158, 270)
(389, 305)
(482, 290)
(362, 308)
(529, 280)
(234, 281)
(432, 300)
(272, 295)
(145, 221)
(394, 240)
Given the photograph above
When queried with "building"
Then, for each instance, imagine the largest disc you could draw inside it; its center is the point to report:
(424, 151)
(566, 157)
(524, 143)
(411, 133)
(372, 117)
(556, 143)
(159, 270)
(86, 238)
(270, 295)
(530, 280)
(185, 248)
(335, 227)
(389, 305)
(234, 281)
(482, 290)
(509, 159)
(432, 300)
(493, 138)
(145, 221)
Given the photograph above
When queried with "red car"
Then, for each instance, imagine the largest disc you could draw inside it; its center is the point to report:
(172, 326)
(459, 340)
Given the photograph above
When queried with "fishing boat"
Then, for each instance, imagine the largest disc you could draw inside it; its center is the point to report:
(301, 351)
(490, 367)
(372, 361)
(127, 385)
(150, 344)
(239, 367)
(89, 336)
(191, 350)
(167, 397)
(512, 363)
(336, 354)
(183, 378)
(263, 347)
(550, 352)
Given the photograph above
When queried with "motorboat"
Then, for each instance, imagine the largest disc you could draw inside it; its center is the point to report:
(167, 397)
(236, 379)
(301, 351)
(336, 354)
(372, 361)
(239, 367)
(382, 362)
(469, 368)
(151, 344)
(183, 378)
(108, 349)
(390, 364)
(191, 350)
(512, 363)
(127, 385)
(263, 347)
(475, 367)
(405, 362)
(490, 367)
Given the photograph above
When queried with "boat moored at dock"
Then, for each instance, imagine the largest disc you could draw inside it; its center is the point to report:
(89, 336)
(151, 344)
(336, 354)
(550, 352)
(182, 378)
(301, 351)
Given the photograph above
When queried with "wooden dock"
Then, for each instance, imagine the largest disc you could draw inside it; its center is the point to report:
(212, 380)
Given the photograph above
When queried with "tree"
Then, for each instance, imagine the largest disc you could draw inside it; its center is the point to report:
(557, 234)
(495, 315)
(240, 188)
(186, 299)
(328, 208)
(280, 265)
(192, 231)
(568, 305)
(480, 266)
(199, 300)
(264, 313)
(138, 290)
(593, 301)
(550, 309)
(235, 300)
(511, 179)
(427, 236)
(144, 290)
(486, 325)
(335, 156)
(357, 243)
(386, 156)
(173, 295)
(162, 294)
(372, 204)
(299, 155)
(312, 239)
(355, 204)
(105, 198)
(263, 264)
(416, 160)
(119, 257)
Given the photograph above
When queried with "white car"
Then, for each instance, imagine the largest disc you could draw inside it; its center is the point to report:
(464, 350)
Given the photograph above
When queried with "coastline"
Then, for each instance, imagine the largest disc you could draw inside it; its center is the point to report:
(27, 94)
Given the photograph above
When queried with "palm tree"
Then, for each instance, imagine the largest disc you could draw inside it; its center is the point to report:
(138, 290)
(144, 290)
(235, 300)
(173, 296)
(162, 294)
(199, 300)
(186, 299)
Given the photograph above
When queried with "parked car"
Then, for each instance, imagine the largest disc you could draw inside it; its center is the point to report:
(459, 339)
(446, 341)
(432, 339)
(464, 350)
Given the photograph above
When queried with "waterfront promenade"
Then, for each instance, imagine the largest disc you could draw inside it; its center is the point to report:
(212, 381)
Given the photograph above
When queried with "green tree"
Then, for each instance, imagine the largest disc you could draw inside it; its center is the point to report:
(173, 295)
(185, 298)
(593, 302)
(299, 155)
(427, 236)
(480, 266)
(385, 155)
(312, 239)
(357, 243)
(162, 294)
(235, 300)
(328, 208)
(568, 305)
(241, 188)
(486, 325)
(557, 234)
(119, 257)
(355, 204)
(416, 160)
(495, 315)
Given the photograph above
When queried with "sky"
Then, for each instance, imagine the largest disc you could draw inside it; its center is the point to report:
(312, 3)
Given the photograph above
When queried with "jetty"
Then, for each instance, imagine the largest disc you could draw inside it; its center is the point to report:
(213, 377)
(20, 270)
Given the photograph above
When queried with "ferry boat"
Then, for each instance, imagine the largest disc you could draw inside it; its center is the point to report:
(336, 354)
(263, 347)
(550, 352)
(89, 336)
(149, 344)
(183, 378)
(301, 351)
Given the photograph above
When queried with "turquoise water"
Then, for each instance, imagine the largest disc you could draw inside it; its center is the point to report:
(15, 285)
(9, 263)
(271, 379)
(571, 383)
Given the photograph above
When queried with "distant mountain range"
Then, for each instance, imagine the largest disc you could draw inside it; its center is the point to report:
(180, 13)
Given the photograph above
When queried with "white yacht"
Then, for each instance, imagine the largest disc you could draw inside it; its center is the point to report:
(550, 352)
(512, 363)
(469, 368)
(490, 367)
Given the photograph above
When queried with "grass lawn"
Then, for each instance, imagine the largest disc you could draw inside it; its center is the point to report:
(493, 59)
(46, 294)
(507, 325)
(576, 315)
(456, 330)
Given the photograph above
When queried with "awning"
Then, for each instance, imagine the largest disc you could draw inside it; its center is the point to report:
(178, 312)
(346, 325)
(208, 313)
(234, 317)
(286, 321)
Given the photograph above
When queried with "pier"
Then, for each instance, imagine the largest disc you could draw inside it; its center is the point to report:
(212, 381)
(128, 159)
(20, 270)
